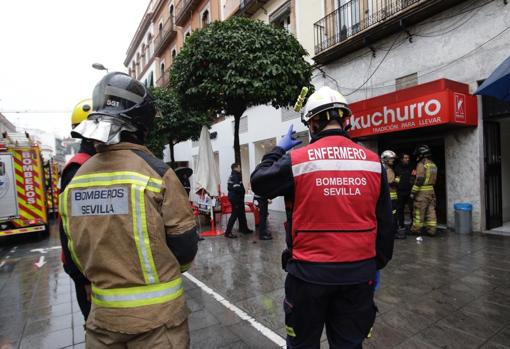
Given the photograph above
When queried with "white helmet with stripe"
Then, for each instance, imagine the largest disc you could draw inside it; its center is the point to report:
(388, 155)
(325, 99)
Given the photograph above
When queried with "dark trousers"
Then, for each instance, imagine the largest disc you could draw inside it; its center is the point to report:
(347, 311)
(403, 201)
(238, 212)
(262, 205)
(81, 297)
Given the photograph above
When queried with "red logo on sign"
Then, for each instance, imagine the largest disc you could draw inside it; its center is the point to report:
(460, 107)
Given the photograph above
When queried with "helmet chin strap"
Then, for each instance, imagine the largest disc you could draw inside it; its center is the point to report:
(325, 118)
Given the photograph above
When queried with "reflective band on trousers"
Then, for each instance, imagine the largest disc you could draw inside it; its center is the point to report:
(138, 184)
(422, 188)
(137, 296)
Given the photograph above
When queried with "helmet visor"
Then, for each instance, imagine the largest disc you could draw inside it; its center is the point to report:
(102, 128)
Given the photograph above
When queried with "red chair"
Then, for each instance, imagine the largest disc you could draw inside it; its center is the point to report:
(226, 208)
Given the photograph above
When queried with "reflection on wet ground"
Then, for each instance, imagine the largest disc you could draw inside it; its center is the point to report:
(452, 291)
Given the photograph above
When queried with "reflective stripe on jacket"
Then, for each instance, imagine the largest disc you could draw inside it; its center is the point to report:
(426, 176)
(337, 186)
(392, 182)
(130, 230)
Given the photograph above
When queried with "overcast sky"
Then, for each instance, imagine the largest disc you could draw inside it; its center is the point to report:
(47, 49)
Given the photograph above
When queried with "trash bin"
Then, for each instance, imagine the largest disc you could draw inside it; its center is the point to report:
(463, 217)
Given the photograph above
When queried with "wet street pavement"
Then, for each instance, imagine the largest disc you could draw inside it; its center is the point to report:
(452, 291)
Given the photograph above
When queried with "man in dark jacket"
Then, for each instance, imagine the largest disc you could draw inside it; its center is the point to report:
(339, 226)
(236, 196)
(403, 171)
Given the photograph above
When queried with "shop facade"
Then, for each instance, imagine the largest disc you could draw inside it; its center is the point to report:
(461, 41)
(435, 113)
(449, 50)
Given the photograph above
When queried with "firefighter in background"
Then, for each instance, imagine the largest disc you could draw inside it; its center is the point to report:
(236, 193)
(184, 173)
(339, 226)
(86, 151)
(130, 227)
(262, 203)
(404, 171)
(388, 158)
(424, 204)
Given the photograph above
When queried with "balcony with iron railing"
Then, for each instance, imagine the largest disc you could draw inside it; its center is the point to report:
(183, 10)
(249, 7)
(164, 79)
(165, 35)
(359, 23)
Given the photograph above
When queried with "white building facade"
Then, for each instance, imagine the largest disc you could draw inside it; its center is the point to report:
(371, 48)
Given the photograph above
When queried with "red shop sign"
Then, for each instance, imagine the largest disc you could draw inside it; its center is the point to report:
(438, 102)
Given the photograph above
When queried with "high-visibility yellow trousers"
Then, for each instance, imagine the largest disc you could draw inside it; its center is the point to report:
(424, 212)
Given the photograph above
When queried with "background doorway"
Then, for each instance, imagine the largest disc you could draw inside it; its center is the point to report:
(407, 144)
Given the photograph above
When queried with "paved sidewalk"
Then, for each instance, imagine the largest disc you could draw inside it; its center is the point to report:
(451, 291)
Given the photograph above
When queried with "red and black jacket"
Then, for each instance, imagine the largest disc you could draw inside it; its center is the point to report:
(340, 232)
(86, 152)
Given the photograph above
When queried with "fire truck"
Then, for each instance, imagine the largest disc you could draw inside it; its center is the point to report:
(23, 198)
(51, 175)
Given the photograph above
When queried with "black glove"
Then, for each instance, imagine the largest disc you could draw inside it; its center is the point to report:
(286, 256)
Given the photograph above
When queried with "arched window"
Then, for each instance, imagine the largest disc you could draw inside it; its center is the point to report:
(160, 27)
(174, 54)
(205, 18)
(162, 68)
(172, 12)
(144, 49)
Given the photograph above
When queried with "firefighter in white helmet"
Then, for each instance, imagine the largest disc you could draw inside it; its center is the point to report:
(339, 225)
(388, 158)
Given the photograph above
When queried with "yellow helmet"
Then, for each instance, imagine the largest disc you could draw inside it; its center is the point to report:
(81, 112)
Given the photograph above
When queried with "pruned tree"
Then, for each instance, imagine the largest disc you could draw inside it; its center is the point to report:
(238, 63)
(175, 124)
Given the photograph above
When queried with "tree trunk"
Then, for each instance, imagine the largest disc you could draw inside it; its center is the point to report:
(237, 148)
(172, 157)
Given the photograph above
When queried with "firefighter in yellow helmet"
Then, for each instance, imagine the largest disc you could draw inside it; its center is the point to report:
(424, 205)
(80, 113)
(130, 227)
(388, 158)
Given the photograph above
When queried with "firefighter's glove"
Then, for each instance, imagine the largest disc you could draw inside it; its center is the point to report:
(288, 141)
(286, 255)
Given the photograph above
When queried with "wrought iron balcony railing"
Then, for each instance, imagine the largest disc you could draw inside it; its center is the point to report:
(164, 79)
(358, 23)
(249, 7)
(353, 17)
(166, 33)
(183, 10)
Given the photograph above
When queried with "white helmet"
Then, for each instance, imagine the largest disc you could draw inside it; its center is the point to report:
(387, 155)
(324, 99)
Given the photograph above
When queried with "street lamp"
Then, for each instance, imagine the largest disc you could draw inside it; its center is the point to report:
(99, 66)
